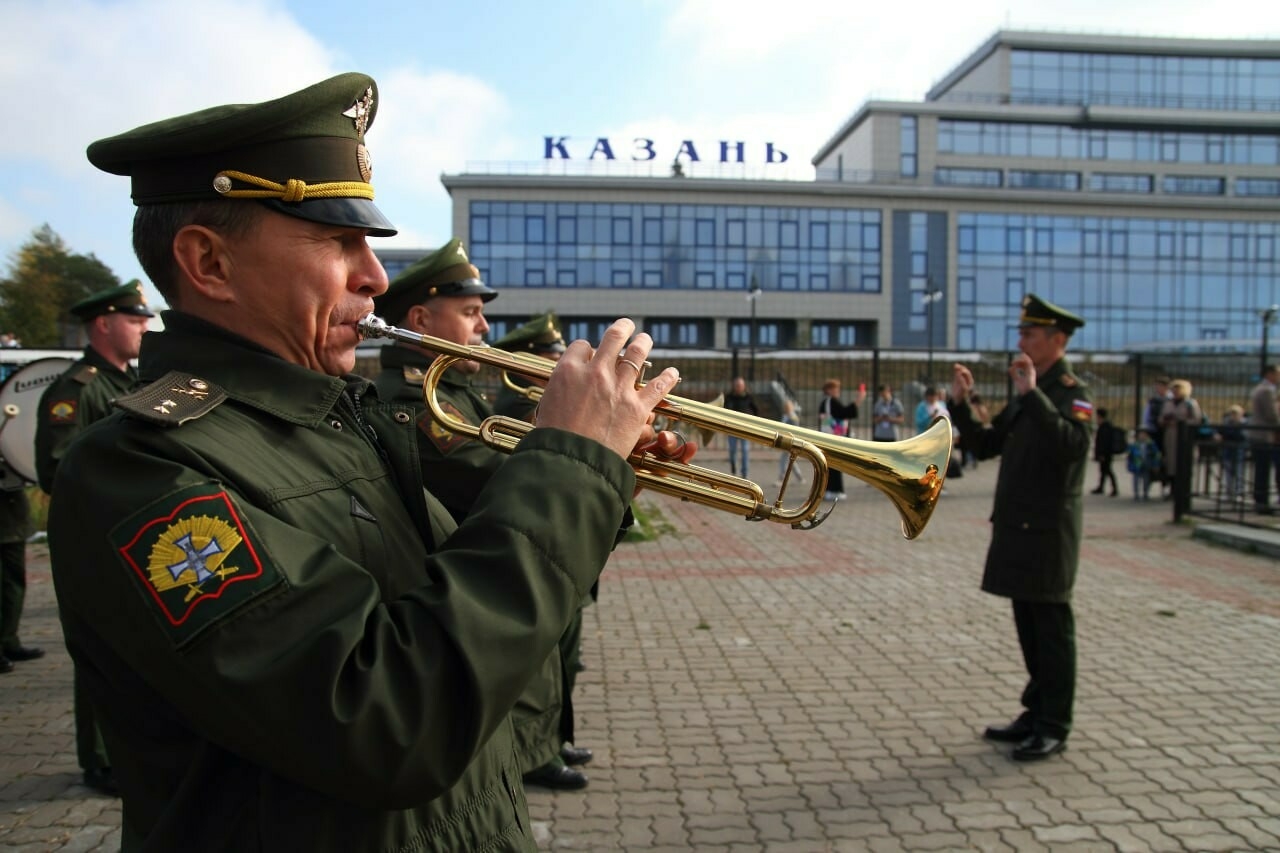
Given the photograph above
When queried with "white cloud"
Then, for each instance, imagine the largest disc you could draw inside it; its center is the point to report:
(84, 70)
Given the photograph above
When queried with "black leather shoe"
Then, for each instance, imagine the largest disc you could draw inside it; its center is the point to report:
(1096, 491)
(575, 755)
(1016, 732)
(102, 781)
(557, 777)
(21, 653)
(1038, 748)
(6, 665)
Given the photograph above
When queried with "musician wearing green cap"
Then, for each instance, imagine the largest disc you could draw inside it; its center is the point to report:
(1043, 437)
(442, 296)
(114, 321)
(540, 336)
(290, 643)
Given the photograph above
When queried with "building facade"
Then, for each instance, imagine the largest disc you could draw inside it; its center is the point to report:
(1135, 181)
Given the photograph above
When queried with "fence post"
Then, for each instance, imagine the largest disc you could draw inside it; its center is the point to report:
(1184, 476)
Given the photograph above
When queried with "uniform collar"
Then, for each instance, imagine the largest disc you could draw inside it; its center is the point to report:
(248, 373)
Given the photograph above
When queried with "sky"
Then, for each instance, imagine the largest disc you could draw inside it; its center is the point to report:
(478, 86)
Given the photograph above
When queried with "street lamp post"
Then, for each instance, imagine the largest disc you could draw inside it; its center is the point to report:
(1268, 316)
(929, 298)
(752, 297)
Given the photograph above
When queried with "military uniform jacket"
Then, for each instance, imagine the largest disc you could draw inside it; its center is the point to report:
(513, 405)
(456, 467)
(80, 396)
(288, 644)
(1043, 438)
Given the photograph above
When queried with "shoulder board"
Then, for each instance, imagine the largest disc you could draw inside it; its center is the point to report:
(1069, 381)
(84, 374)
(414, 375)
(173, 399)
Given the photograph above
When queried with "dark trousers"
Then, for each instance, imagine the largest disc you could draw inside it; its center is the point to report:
(1264, 460)
(1105, 473)
(13, 591)
(1047, 634)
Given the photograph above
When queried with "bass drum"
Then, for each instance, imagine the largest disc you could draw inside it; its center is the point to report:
(19, 402)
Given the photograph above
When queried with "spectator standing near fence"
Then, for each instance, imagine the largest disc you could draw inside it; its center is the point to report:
(1143, 462)
(1264, 415)
(1108, 441)
(887, 416)
(1180, 408)
(739, 399)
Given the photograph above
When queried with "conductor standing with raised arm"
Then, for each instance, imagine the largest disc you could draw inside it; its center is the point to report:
(1043, 439)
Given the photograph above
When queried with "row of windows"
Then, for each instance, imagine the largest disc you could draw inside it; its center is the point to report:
(700, 333)
(1042, 179)
(1087, 265)
(702, 247)
(851, 277)
(570, 223)
(1118, 237)
(1012, 139)
(1171, 82)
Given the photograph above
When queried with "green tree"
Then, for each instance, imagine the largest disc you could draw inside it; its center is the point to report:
(45, 279)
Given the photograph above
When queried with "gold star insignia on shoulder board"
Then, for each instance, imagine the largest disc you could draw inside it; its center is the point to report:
(173, 400)
(414, 375)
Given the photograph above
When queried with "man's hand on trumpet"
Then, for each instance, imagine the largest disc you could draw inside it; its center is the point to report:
(592, 392)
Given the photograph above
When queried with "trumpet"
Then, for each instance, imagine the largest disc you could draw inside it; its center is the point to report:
(910, 473)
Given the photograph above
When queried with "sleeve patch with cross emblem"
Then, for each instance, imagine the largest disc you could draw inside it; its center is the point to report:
(194, 559)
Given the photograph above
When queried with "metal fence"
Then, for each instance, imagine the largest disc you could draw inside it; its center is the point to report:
(1220, 476)
(1118, 381)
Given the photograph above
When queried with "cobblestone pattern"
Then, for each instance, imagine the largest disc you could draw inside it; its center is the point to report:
(750, 687)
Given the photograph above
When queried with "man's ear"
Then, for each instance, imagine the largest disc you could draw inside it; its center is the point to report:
(417, 317)
(204, 260)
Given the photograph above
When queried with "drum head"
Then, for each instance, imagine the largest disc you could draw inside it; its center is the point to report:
(19, 401)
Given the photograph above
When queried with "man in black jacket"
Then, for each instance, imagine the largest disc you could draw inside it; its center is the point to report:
(1043, 439)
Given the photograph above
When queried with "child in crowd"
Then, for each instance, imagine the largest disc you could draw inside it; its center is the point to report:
(1143, 461)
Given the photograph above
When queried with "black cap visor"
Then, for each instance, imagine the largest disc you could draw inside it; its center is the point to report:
(347, 212)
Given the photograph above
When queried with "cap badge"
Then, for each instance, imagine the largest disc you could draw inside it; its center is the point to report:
(222, 184)
(365, 162)
(360, 112)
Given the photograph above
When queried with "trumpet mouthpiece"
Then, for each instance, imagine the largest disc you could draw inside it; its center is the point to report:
(371, 326)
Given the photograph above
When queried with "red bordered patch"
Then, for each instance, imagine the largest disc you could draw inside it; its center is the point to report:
(194, 558)
(446, 441)
(1082, 409)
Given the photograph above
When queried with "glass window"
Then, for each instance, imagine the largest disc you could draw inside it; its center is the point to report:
(907, 146)
(789, 234)
(652, 232)
(705, 230)
(818, 232)
(735, 233)
(566, 230)
(479, 229)
(535, 229)
(621, 233)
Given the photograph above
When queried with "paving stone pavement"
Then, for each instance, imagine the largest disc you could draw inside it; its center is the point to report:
(754, 688)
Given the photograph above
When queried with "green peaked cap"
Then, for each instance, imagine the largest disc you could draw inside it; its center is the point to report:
(125, 299)
(1038, 312)
(302, 155)
(540, 335)
(445, 272)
